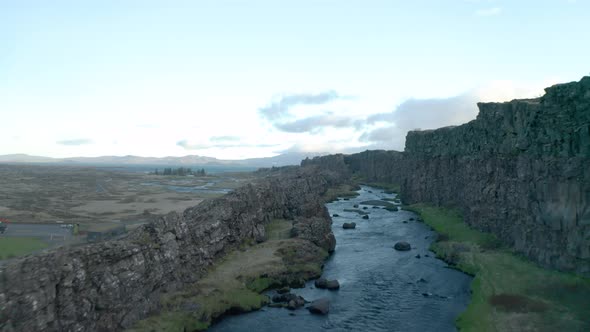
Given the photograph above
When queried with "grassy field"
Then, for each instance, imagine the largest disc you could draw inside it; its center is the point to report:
(509, 293)
(11, 247)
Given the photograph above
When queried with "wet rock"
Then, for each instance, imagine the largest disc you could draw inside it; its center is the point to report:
(320, 306)
(405, 221)
(321, 283)
(365, 217)
(349, 225)
(422, 280)
(335, 215)
(355, 206)
(283, 290)
(426, 294)
(402, 246)
(364, 207)
(411, 219)
(418, 256)
(296, 303)
(333, 285)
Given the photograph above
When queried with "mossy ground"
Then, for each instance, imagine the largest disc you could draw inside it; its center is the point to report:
(344, 191)
(234, 284)
(509, 293)
(11, 247)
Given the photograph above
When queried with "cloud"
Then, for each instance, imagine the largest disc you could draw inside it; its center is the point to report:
(488, 11)
(316, 123)
(389, 129)
(419, 114)
(280, 108)
(187, 145)
(224, 139)
(75, 142)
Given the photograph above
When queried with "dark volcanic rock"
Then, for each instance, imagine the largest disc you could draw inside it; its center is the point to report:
(349, 225)
(321, 283)
(402, 246)
(320, 306)
(108, 286)
(333, 285)
(519, 170)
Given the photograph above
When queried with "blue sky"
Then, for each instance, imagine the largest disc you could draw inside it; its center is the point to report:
(237, 79)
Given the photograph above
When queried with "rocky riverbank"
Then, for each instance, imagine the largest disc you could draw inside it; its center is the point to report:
(112, 285)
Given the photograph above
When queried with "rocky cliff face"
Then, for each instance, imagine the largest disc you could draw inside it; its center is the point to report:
(521, 170)
(108, 286)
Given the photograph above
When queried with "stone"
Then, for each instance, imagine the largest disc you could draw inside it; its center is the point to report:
(321, 283)
(402, 246)
(333, 285)
(349, 225)
(335, 215)
(365, 217)
(320, 306)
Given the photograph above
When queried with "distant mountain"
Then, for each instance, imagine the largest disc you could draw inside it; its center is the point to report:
(291, 158)
(25, 158)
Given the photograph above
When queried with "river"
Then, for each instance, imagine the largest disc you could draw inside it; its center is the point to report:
(381, 289)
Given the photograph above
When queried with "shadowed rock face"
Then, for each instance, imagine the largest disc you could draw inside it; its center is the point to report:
(521, 170)
(110, 285)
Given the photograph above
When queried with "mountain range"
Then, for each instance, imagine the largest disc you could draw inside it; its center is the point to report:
(291, 158)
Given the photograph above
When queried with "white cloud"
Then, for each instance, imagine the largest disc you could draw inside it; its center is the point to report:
(389, 130)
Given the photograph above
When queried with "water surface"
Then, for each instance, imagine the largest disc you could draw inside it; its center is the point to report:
(381, 289)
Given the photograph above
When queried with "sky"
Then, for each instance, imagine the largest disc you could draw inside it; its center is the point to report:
(245, 79)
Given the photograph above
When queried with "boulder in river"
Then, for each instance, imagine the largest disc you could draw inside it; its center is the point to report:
(402, 246)
(320, 306)
(349, 225)
(365, 217)
(333, 285)
(355, 206)
(335, 215)
(321, 283)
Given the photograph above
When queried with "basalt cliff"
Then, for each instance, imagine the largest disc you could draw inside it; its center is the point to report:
(520, 170)
(108, 286)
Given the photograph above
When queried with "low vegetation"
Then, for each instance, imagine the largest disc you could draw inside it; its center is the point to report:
(509, 293)
(11, 247)
(342, 191)
(236, 282)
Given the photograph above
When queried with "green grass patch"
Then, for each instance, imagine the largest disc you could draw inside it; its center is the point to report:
(11, 247)
(509, 293)
(278, 229)
(342, 191)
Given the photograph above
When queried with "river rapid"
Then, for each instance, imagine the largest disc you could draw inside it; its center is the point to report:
(381, 289)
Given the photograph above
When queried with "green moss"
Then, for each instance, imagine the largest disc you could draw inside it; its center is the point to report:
(343, 191)
(507, 290)
(11, 247)
(261, 284)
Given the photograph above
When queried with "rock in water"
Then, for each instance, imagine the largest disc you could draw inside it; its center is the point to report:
(333, 285)
(365, 217)
(321, 283)
(402, 246)
(320, 306)
(349, 225)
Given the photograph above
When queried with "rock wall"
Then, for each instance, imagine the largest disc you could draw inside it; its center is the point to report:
(520, 170)
(108, 286)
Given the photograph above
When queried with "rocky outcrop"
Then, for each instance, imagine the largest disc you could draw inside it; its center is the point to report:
(520, 170)
(110, 285)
